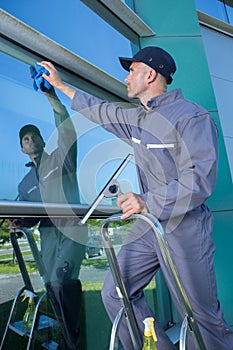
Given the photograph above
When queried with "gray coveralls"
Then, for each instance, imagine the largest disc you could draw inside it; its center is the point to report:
(62, 240)
(175, 147)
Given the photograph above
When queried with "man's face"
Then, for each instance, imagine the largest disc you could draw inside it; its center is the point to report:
(32, 144)
(137, 80)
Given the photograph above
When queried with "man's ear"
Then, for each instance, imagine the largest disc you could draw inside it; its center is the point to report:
(152, 74)
(22, 150)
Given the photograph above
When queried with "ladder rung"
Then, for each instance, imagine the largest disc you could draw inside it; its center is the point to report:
(45, 322)
(18, 328)
(174, 333)
(50, 345)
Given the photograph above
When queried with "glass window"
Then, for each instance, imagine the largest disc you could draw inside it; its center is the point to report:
(73, 25)
(222, 79)
(229, 10)
(14, 111)
(214, 8)
(76, 27)
(99, 152)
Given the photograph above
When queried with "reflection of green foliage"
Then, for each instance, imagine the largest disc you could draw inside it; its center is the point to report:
(96, 263)
(4, 232)
(117, 230)
(96, 223)
(97, 286)
(10, 267)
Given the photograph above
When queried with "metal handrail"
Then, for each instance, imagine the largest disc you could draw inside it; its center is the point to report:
(189, 319)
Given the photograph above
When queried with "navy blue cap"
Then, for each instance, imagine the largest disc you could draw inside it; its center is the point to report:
(29, 128)
(154, 57)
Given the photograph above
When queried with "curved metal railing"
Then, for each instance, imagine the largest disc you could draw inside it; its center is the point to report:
(189, 322)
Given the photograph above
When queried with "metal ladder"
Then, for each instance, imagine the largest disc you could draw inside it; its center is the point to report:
(188, 324)
(41, 323)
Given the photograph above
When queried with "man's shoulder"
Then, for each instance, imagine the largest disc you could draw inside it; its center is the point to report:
(28, 177)
(184, 108)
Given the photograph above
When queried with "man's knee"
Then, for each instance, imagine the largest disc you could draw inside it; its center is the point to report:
(109, 293)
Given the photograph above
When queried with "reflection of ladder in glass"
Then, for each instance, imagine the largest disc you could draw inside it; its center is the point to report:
(41, 323)
(188, 324)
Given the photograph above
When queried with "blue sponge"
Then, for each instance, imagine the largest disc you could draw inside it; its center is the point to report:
(39, 83)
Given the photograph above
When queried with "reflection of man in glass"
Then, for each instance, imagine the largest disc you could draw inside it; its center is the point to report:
(52, 178)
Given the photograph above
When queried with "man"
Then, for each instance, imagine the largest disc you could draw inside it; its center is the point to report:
(175, 146)
(52, 178)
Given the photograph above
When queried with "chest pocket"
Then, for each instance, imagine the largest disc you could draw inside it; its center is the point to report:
(51, 174)
(157, 160)
(163, 160)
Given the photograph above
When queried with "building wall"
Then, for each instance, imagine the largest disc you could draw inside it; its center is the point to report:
(219, 52)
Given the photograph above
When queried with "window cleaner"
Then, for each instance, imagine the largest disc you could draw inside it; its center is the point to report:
(149, 335)
(30, 311)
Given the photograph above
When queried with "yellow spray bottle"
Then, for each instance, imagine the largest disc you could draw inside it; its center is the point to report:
(150, 338)
(30, 311)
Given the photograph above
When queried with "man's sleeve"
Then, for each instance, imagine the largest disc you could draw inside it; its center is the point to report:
(110, 116)
(67, 139)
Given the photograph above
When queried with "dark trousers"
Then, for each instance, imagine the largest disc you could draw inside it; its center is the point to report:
(66, 298)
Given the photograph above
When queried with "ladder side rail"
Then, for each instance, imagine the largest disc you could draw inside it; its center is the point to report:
(35, 323)
(120, 286)
(21, 263)
(115, 329)
(43, 273)
(19, 293)
(183, 333)
(36, 254)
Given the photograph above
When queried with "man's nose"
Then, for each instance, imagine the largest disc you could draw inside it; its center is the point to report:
(127, 78)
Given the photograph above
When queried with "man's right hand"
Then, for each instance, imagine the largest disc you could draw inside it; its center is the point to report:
(54, 79)
(131, 203)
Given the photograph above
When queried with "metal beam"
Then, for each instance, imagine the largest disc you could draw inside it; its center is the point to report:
(121, 17)
(11, 209)
(215, 24)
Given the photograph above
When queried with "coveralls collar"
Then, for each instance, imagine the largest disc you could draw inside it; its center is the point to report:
(163, 99)
(37, 159)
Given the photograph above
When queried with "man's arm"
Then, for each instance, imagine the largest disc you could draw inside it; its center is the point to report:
(111, 117)
(130, 203)
(67, 138)
(60, 112)
(54, 101)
